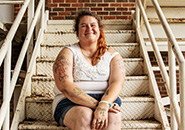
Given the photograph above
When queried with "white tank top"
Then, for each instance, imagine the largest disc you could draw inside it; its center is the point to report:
(91, 79)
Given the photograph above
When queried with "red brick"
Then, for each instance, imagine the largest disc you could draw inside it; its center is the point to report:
(103, 5)
(79, 9)
(126, 13)
(77, 5)
(51, 5)
(71, 1)
(64, 5)
(122, 0)
(109, 9)
(58, 1)
(121, 17)
(128, 5)
(58, 9)
(90, 4)
(48, 1)
(109, 1)
(122, 9)
(115, 5)
(130, 9)
(115, 13)
(109, 17)
(70, 9)
(64, 13)
(96, 0)
(53, 13)
(96, 9)
(58, 17)
(83, 1)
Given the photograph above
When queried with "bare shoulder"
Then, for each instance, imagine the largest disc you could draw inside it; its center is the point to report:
(64, 53)
(111, 50)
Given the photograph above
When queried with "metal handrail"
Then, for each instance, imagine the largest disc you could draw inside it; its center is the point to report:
(29, 73)
(11, 2)
(13, 30)
(6, 46)
(170, 86)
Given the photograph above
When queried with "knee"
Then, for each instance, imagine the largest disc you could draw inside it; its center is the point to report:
(115, 119)
(84, 117)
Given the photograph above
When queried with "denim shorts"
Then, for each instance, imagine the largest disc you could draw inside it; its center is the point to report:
(65, 105)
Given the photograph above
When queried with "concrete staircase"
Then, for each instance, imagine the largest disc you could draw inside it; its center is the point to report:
(174, 11)
(138, 106)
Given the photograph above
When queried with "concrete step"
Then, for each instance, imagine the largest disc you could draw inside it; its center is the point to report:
(178, 30)
(63, 25)
(133, 86)
(133, 108)
(134, 66)
(126, 125)
(126, 50)
(168, 3)
(169, 12)
(163, 45)
(69, 37)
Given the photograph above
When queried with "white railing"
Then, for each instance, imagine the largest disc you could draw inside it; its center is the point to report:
(178, 113)
(5, 54)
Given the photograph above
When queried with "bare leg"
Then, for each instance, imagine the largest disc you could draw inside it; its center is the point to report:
(79, 118)
(114, 121)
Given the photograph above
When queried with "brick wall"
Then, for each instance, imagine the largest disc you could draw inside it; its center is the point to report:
(67, 9)
(107, 9)
(158, 75)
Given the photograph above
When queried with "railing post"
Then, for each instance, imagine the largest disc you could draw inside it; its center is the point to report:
(29, 20)
(173, 88)
(138, 18)
(137, 15)
(182, 94)
(6, 93)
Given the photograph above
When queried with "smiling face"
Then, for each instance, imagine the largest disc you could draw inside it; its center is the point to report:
(88, 29)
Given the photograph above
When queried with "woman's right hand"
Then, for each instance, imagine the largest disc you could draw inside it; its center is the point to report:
(100, 119)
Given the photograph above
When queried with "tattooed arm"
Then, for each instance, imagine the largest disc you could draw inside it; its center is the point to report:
(116, 79)
(62, 70)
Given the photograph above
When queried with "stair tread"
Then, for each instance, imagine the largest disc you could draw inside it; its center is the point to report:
(136, 124)
(52, 59)
(54, 22)
(51, 78)
(61, 32)
(125, 99)
(109, 44)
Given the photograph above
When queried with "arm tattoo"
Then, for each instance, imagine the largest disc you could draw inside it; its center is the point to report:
(60, 65)
(78, 92)
(107, 92)
(102, 111)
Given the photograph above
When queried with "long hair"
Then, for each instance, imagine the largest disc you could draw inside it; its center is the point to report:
(101, 45)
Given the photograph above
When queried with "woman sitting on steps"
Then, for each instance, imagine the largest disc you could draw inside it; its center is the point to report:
(89, 77)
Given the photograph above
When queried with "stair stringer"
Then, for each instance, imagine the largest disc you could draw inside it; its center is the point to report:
(159, 112)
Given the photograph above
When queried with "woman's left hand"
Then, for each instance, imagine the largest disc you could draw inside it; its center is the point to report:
(100, 119)
(115, 108)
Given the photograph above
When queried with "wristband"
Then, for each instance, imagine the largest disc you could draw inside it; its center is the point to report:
(105, 102)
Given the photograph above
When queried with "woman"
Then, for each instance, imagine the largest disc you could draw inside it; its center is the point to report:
(89, 77)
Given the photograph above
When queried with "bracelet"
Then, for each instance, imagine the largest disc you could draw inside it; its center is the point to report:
(105, 102)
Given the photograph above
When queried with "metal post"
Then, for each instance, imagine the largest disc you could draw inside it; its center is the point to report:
(42, 15)
(182, 94)
(137, 15)
(173, 88)
(30, 18)
(6, 93)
